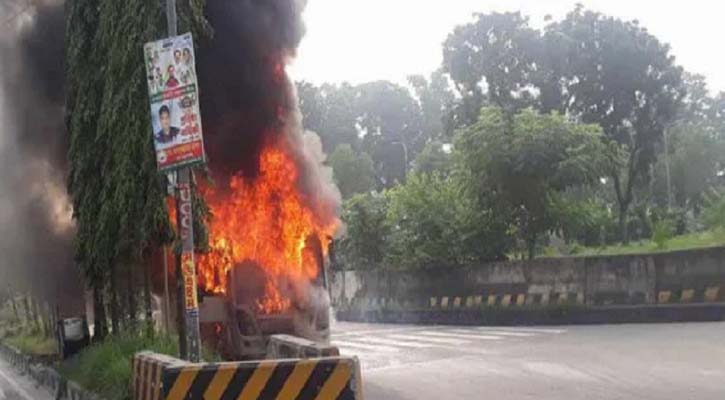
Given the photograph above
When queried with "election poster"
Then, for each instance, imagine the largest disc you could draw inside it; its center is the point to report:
(174, 96)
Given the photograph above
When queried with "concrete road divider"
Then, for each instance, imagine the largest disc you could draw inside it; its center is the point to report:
(287, 346)
(161, 377)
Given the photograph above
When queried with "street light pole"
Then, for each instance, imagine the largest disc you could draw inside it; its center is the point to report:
(667, 170)
(668, 176)
(189, 336)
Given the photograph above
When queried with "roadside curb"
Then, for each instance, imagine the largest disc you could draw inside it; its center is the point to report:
(44, 376)
(575, 315)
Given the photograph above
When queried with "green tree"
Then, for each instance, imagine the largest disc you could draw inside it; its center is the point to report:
(619, 76)
(118, 195)
(695, 149)
(353, 171)
(696, 158)
(84, 92)
(391, 123)
(332, 112)
(498, 52)
(436, 100)
(437, 221)
(591, 67)
(433, 158)
(528, 161)
(364, 244)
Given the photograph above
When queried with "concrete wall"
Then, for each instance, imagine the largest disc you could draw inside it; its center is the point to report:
(694, 276)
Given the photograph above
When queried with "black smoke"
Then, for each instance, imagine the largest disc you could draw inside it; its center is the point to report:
(36, 233)
(244, 88)
(247, 99)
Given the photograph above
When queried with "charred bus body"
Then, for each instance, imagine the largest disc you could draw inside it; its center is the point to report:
(235, 325)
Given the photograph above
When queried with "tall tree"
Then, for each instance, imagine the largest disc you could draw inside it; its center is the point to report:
(528, 161)
(591, 67)
(436, 100)
(619, 76)
(331, 111)
(391, 123)
(353, 172)
(117, 192)
(84, 92)
(496, 53)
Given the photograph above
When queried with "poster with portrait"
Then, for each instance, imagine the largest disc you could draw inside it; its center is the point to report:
(174, 94)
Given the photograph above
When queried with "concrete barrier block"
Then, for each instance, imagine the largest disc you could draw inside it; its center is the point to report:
(318, 378)
(664, 296)
(287, 346)
(712, 294)
(687, 295)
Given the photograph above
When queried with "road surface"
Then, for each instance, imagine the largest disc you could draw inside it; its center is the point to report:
(13, 386)
(644, 361)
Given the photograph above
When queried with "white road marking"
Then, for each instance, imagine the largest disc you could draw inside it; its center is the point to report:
(521, 330)
(502, 333)
(15, 386)
(391, 342)
(362, 346)
(454, 342)
(461, 336)
(376, 331)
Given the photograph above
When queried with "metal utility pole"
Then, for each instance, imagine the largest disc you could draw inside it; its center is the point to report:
(667, 167)
(189, 337)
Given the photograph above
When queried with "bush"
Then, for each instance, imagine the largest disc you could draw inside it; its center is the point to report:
(662, 232)
(367, 231)
(588, 222)
(436, 221)
(713, 215)
(105, 368)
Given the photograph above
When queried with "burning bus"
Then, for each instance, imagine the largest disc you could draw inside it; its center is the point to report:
(273, 203)
(265, 272)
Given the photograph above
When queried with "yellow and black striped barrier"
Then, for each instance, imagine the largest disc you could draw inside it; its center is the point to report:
(155, 377)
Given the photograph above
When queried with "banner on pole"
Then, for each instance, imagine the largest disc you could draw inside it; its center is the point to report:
(174, 97)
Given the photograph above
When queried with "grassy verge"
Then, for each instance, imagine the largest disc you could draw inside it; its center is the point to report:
(105, 368)
(683, 242)
(34, 343)
(26, 338)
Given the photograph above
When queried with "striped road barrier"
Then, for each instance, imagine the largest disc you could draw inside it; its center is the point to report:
(288, 346)
(159, 377)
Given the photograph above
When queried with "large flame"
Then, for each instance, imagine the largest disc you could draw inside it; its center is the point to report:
(266, 220)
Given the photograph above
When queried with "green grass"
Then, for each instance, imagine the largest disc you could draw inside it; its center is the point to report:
(683, 242)
(105, 368)
(30, 342)
(25, 337)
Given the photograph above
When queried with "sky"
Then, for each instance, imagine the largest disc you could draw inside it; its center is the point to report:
(366, 40)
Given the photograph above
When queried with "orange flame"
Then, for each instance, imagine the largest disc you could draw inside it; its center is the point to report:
(266, 220)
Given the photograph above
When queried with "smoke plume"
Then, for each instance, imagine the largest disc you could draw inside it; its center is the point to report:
(36, 232)
(246, 99)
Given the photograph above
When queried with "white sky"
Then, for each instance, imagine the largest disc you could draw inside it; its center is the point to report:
(365, 40)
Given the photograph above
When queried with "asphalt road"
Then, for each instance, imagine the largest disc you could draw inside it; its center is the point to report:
(638, 361)
(16, 387)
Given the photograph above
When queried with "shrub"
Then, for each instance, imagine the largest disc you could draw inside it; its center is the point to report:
(713, 215)
(105, 368)
(436, 221)
(662, 232)
(364, 244)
